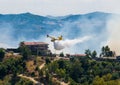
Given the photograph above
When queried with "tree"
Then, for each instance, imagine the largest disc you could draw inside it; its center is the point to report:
(61, 54)
(112, 82)
(25, 51)
(94, 54)
(3, 70)
(88, 53)
(72, 82)
(76, 71)
(21, 44)
(61, 64)
(111, 54)
(107, 77)
(115, 75)
(107, 49)
(106, 52)
(103, 50)
(47, 60)
(98, 81)
(2, 54)
(52, 67)
(61, 73)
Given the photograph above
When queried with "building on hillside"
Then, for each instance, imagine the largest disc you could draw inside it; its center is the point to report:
(38, 48)
(76, 55)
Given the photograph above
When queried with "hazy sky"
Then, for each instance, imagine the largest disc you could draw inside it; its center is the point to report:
(59, 7)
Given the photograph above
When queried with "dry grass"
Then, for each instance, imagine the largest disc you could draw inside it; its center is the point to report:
(30, 66)
(11, 55)
(39, 61)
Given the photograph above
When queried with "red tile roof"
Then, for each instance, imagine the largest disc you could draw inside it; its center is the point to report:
(35, 43)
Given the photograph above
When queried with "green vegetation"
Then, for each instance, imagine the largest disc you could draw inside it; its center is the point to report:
(106, 52)
(11, 65)
(12, 80)
(61, 54)
(2, 54)
(25, 51)
(84, 70)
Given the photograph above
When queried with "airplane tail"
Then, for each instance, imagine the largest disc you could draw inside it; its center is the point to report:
(60, 38)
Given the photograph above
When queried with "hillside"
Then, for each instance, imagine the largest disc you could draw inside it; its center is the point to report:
(29, 27)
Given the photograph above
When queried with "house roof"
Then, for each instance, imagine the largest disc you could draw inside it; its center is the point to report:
(35, 43)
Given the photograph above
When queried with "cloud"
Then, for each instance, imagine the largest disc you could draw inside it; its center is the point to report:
(59, 7)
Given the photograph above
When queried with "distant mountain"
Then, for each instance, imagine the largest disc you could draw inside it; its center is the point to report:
(27, 26)
(39, 25)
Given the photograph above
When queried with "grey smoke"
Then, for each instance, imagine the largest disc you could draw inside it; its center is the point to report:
(113, 27)
(81, 28)
(6, 35)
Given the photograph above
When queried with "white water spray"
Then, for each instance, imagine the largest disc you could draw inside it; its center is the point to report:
(59, 45)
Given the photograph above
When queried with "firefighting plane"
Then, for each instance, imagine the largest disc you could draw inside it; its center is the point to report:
(53, 39)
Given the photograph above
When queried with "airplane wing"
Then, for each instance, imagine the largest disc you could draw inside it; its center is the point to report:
(51, 37)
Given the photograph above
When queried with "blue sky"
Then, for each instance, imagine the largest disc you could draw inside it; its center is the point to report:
(58, 7)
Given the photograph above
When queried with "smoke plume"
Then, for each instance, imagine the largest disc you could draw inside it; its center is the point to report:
(6, 35)
(78, 30)
(113, 27)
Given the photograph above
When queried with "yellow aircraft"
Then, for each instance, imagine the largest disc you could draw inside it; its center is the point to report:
(53, 39)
